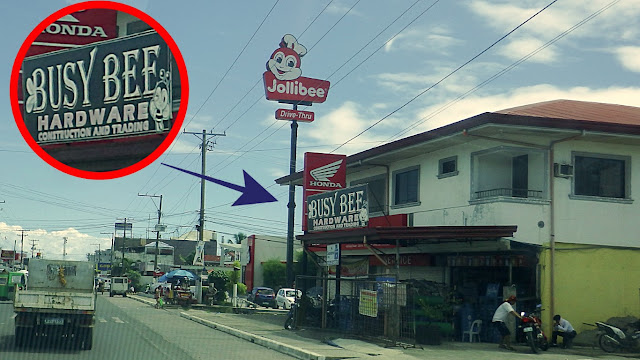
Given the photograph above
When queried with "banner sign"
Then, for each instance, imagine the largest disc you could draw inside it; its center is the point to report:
(297, 115)
(333, 254)
(283, 81)
(104, 266)
(322, 172)
(111, 89)
(368, 304)
(338, 210)
(124, 226)
(8, 255)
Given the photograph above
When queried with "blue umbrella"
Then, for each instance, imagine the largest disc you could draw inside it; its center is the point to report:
(179, 274)
(163, 278)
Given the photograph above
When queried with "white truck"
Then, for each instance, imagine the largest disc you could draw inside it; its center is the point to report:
(59, 303)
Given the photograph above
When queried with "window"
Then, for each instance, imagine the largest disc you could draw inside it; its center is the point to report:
(448, 167)
(406, 185)
(377, 187)
(601, 176)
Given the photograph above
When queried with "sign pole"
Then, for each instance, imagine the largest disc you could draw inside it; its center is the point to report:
(292, 198)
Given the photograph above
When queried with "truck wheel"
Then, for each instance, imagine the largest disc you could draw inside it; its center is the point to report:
(110, 293)
(124, 294)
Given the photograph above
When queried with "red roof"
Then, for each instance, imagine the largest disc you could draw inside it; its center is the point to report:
(579, 110)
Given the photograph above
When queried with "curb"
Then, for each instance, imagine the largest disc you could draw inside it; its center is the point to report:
(256, 339)
(259, 340)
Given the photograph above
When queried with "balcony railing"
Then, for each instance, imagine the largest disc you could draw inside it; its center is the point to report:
(508, 192)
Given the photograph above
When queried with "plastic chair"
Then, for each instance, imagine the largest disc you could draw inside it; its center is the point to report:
(474, 329)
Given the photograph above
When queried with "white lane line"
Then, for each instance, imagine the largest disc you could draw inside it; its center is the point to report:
(102, 320)
(116, 319)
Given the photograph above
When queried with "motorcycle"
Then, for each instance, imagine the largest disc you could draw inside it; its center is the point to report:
(290, 321)
(612, 339)
(532, 329)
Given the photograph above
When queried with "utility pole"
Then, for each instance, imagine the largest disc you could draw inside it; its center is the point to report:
(155, 262)
(204, 147)
(22, 248)
(64, 247)
(33, 246)
(124, 240)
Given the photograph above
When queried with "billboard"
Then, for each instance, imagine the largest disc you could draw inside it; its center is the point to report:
(322, 172)
(8, 255)
(283, 80)
(338, 210)
(112, 89)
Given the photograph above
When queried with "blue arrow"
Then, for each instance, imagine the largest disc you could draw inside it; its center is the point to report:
(252, 192)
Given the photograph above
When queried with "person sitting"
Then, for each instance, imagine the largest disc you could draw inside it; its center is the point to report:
(563, 328)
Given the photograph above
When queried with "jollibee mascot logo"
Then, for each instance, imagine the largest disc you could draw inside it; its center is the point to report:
(285, 61)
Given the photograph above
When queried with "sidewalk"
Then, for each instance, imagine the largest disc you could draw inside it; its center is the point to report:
(302, 344)
(267, 330)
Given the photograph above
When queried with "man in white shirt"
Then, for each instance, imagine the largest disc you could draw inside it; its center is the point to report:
(499, 319)
(561, 327)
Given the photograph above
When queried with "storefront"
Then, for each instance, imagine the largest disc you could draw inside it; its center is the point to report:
(466, 270)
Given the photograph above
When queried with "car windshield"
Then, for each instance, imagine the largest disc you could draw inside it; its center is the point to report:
(264, 292)
(290, 293)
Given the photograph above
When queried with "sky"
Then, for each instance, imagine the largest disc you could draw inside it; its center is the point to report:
(396, 68)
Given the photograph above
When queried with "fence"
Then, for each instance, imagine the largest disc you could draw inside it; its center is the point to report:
(380, 308)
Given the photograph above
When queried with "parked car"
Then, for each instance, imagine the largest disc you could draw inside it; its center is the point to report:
(264, 296)
(286, 297)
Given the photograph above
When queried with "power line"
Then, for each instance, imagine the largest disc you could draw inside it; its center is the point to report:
(502, 72)
(447, 76)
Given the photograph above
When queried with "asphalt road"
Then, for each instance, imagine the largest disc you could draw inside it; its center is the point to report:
(127, 329)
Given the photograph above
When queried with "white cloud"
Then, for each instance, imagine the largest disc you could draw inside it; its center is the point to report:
(517, 49)
(431, 117)
(51, 244)
(629, 57)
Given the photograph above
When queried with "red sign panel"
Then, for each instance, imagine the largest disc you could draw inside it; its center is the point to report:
(302, 89)
(405, 260)
(8, 255)
(283, 81)
(322, 172)
(298, 115)
(78, 28)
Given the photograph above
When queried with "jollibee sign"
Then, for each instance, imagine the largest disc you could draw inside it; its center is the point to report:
(283, 81)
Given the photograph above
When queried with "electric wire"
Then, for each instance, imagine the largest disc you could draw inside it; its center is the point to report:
(447, 76)
(501, 72)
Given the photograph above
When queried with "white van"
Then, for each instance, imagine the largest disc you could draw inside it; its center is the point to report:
(119, 286)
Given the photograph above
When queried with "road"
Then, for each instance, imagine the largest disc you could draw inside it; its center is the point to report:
(127, 329)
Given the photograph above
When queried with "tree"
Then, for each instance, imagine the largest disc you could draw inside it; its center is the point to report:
(239, 237)
(219, 279)
(274, 273)
(134, 276)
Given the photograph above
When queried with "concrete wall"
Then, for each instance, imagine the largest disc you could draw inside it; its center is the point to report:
(592, 283)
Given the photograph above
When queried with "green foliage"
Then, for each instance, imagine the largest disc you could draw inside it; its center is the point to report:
(274, 273)
(135, 277)
(242, 289)
(234, 276)
(239, 237)
(220, 280)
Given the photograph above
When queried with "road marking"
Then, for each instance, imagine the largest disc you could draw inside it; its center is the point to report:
(102, 320)
(116, 319)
